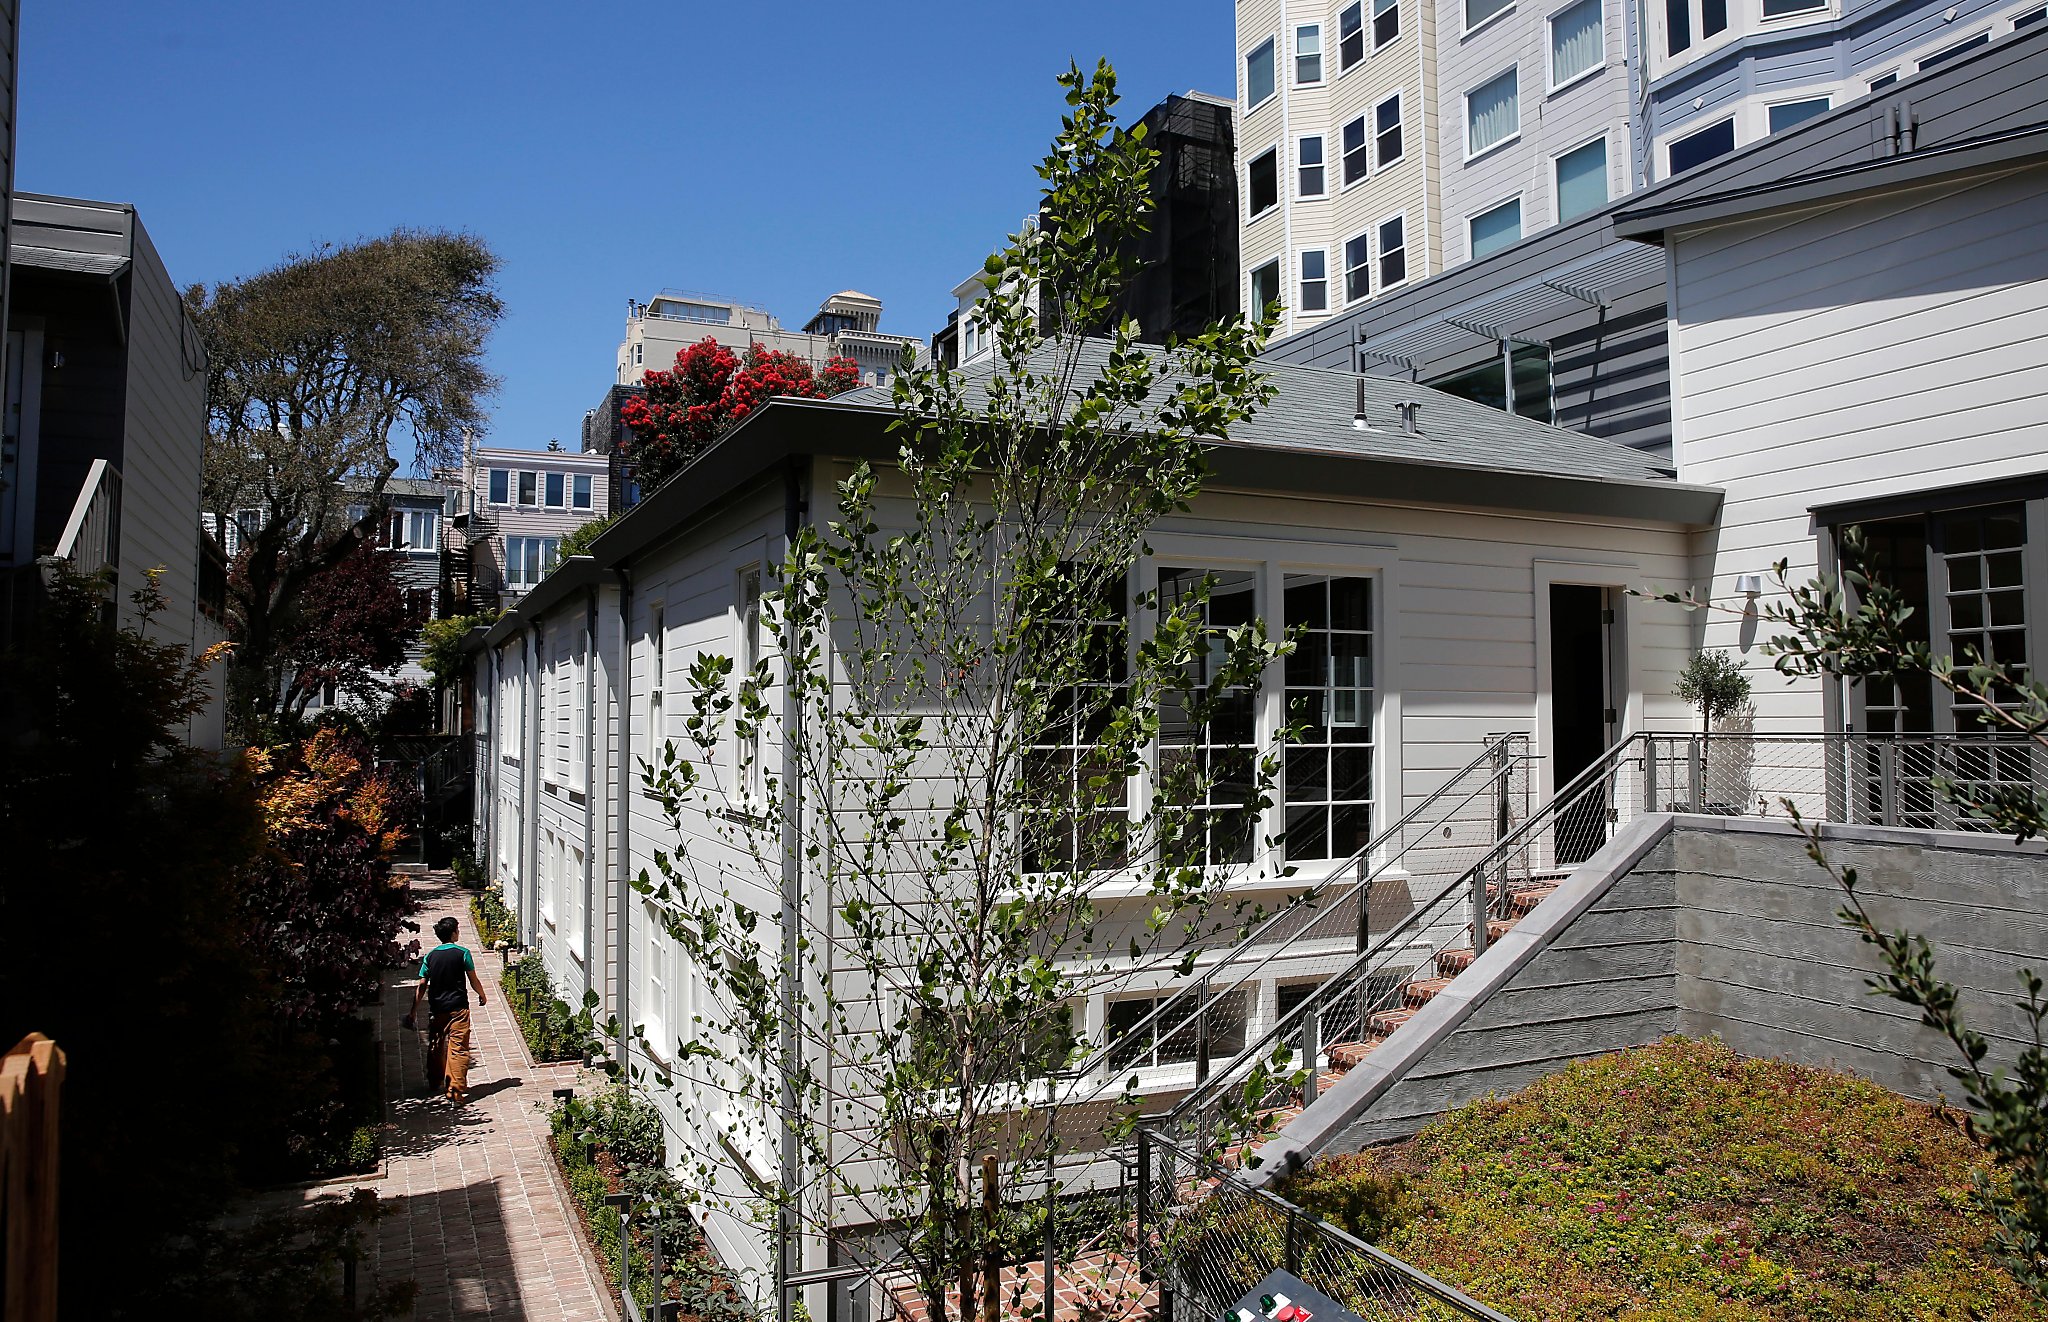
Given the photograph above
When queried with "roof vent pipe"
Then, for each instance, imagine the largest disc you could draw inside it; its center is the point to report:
(1358, 419)
(1408, 409)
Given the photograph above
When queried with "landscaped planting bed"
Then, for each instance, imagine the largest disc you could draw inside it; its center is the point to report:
(1681, 1182)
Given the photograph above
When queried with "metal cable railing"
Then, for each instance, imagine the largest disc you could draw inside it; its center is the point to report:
(1211, 1240)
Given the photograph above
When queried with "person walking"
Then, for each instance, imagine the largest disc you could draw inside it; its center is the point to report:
(442, 975)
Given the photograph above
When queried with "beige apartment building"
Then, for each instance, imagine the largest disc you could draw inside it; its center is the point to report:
(848, 324)
(1336, 149)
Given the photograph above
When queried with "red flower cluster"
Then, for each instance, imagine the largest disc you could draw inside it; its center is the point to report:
(711, 389)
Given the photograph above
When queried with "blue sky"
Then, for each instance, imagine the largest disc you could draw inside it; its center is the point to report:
(771, 153)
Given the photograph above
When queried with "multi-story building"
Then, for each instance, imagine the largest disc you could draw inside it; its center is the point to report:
(1336, 147)
(508, 512)
(846, 325)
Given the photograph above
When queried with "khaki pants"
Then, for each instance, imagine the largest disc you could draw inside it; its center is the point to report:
(451, 1052)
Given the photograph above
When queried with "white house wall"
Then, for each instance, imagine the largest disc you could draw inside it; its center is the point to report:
(1879, 347)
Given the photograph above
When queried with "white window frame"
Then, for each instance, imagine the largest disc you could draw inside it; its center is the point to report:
(511, 487)
(655, 989)
(1764, 109)
(549, 913)
(1664, 145)
(1371, 260)
(1470, 152)
(656, 705)
(1379, 253)
(519, 491)
(1550, 52)
(1895, 72)
(585, 486)
(1302, 280)
(549, 483)
(1365, 46)
(572, 865)
(1557, 194)
(1319, 55)
(579, 714)
(1484, 23)
(1521, 205)
(1373, 23)
(1244, 71)
(1300, 166)
(1400, 100)
(751, 645)
(1364, 123)
(1825, 10)
(1254, 308)
(1279, 191)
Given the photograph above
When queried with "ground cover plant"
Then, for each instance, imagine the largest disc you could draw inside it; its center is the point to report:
(495, 920)
(611, 1144)
(1682, 1181)
(552, 1028)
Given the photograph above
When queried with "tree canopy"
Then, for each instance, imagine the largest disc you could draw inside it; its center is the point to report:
(710, 390)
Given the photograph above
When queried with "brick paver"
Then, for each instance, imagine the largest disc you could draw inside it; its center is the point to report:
(477, 1216)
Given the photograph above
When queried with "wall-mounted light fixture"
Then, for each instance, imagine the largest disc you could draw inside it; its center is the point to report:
(1749, 585)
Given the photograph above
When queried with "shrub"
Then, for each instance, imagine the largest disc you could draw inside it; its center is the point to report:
(494, 920)
(553, 1031)
(1352, 1191)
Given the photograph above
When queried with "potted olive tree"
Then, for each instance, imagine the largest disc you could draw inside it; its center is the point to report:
(1717, 684)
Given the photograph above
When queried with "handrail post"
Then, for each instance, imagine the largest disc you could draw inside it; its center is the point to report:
(1311, 1049)
(1888, 783)
(1202, 1033)
(1695, 774)
(1480, 913)
(1650, 774)
(1364, 893)
(1141, 1208)
(1291, 1256)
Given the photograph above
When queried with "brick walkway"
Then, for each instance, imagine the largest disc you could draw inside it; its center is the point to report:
(478, 1218)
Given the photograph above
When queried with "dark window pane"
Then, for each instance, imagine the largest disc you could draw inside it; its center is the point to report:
(1264, 182)
(1713, 18)
(1703, 146)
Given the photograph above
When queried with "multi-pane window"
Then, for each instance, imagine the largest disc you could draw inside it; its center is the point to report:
(1208, 766)
(1578, 42)
(1387, 131)
(501, 486)
(1493, 112)
(528, 559)
(1700, 146)
(1496, 227)
(1786, 114)
(1982, 553)
(410, 530)
(1350, 36)
(1685, 18)
(654, 1015)
(1258, 74)
(1315, 280)
(580, 493)
(657, 676)
(1176, 1043)
(1478, 11)
(555, 486)
(1330, 695)
(1262, 183)
(1079, 807)
(1353, 142)
(529, 488)
(1582, 180)
(1308, 53)
(1393, 251)
(1265, 287)
(1386, 22)
(1309, 173)
(1357, 267)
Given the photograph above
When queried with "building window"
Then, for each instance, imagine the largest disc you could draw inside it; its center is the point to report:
(747, 741)
(2024, 21)
(581, 491)
(1328, 786)
(1684, 18)
(529, 488)
(1884, 80)
(1357, 268)
(1175, 1043)
(1786, 114)
(1960, 48)
(1207, 768)
(1487, 383)
(528, 559)
(1578, 42)
(1699, 147)
(1309, 174)
(1581, 180)
(657, 676)
(1386, 22)
(1386, 119)
(1265, 284)
(660, 978)
(1789, 8)
(1262, 182)
(1315, 280)
(1354, 150)
(1258, 75)
(1493, 112)
(1495, 228)
(1350, 36)
(501, 487)
(1308, 54)
(1080, 811)
(1393, 251)
(555, 486)
(639, 349)
(1478, 11)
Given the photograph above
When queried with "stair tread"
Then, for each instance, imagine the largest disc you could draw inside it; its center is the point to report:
(1422, 990)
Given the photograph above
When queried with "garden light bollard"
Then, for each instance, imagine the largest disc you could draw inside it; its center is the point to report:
(624, 1203)
(654, 1246)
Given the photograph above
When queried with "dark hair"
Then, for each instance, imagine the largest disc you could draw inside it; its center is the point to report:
(446, 928)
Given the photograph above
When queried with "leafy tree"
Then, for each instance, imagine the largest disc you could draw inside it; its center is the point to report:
(350, 623)
(962, 708)
(1715, 683)
(579, 539)
(444, 659)
(1854, 626)
(316, 369)
(711, 389)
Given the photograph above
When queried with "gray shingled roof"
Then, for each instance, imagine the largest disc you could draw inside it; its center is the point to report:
(1314, 408)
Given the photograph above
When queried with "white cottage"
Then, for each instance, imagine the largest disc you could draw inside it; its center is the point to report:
(1478, 563)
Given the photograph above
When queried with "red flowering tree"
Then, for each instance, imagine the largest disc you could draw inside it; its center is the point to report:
(711, 389)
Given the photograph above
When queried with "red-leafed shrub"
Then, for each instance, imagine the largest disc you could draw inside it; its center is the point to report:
(711, 389)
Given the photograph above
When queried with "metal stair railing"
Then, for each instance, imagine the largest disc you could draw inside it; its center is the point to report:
(1471, 811)
(1281, 1066)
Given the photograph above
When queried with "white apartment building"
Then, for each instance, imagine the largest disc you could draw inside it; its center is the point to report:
(511, 508)
(848, 324)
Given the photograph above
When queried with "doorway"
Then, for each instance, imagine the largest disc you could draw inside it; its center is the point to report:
(1584, 715)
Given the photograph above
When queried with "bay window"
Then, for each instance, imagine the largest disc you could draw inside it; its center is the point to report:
(1350, 36)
